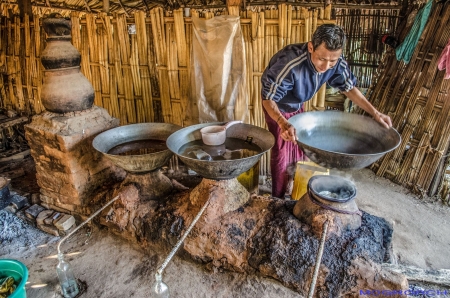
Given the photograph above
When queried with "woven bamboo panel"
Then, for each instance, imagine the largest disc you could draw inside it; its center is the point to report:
(145, 77)
(416, 96)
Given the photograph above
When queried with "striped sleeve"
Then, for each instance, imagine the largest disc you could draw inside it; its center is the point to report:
(343, 79)
(279, 77)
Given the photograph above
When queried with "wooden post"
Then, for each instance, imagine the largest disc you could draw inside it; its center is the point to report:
(106, 6)
(233, 7)
(24, 8)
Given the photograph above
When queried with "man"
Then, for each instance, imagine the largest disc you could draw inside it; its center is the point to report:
(292, 77)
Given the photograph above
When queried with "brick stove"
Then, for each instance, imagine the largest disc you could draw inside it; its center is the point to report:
(69, 170)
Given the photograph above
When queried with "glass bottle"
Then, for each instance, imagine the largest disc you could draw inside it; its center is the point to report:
(69, 286)
(160, 289)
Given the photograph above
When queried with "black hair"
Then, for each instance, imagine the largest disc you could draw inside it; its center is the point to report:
(332, 35)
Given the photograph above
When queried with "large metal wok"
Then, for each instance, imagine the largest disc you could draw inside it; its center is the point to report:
(221, 169)
(341, 140)
(111, 138)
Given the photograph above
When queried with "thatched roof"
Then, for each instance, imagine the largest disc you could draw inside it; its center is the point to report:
(130, 6)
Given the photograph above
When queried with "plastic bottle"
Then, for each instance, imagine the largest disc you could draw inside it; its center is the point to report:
(69, 286)
(160, 289)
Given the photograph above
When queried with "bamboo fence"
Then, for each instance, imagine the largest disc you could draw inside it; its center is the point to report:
(416, 96)
(364, 29)
(145, 77)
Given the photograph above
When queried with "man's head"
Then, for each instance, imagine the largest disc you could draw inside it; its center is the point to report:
(331, 35)
(326, 46)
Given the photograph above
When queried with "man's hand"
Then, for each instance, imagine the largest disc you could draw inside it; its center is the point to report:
(383, 119)
(287, 131)
(360, 100)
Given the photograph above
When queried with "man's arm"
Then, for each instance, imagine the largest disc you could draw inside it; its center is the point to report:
(360, 100)
(287, 130)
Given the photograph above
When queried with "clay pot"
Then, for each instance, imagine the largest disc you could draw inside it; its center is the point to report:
(60, 53)
(343, 207)
(66, 90)
(57, 26)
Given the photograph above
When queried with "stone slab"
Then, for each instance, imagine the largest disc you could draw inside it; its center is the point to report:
(34, 211)
(18, 201)
(65, 222)
(49, 229)
(40, 219)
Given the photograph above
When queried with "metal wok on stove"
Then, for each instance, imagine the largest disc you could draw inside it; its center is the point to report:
(111, 138)
(341, 140)
(221, 169)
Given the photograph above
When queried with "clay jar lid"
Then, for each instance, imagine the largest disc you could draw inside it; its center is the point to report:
(57, 26)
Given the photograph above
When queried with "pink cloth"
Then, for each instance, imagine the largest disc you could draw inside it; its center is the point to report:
(444, 61)
(283, 158)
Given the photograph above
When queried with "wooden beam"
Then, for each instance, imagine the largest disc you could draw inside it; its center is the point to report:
(320, 5)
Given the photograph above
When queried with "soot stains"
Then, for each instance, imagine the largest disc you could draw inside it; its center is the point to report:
(286, 250)
(163, 225)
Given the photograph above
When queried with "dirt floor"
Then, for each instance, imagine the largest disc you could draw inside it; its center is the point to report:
(112, 267)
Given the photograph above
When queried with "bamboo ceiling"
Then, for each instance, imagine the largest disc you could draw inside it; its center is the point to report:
(129, 7)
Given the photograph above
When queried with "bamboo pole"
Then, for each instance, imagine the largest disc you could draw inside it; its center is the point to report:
(314, 20)
(321, 97)
(182, 55)
(282, 20)
(174, 89)
(146, 104)
(17, 37)
(289, 24)
(180, 37)
(327, 12)
(159, 36)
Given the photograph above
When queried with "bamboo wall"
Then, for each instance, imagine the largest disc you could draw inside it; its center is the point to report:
(416, 96)
(364, 29)
(144, 77)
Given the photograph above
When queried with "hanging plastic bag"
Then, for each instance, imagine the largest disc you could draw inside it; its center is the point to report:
(218, 70)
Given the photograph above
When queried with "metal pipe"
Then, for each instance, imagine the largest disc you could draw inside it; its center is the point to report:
(84, 222)
(318, 259)
(175, 248)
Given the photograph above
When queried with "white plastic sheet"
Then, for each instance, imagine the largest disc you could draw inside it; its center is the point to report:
(218, 70)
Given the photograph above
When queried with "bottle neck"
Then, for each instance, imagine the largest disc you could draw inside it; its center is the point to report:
(158, 277)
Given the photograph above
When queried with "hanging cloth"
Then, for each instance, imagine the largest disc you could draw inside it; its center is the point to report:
(406, 49)
(444, 61)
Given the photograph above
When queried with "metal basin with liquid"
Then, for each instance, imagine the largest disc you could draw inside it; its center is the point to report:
(141, 163)
(221, 169)
(341, 140)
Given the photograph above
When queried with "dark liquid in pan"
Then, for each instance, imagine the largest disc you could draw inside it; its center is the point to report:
(231, 150)
(140, 147)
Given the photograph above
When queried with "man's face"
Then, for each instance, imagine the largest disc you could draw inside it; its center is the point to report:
(322, 58)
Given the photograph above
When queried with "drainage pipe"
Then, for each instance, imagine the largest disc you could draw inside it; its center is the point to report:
(84, 222)
(318, 259)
